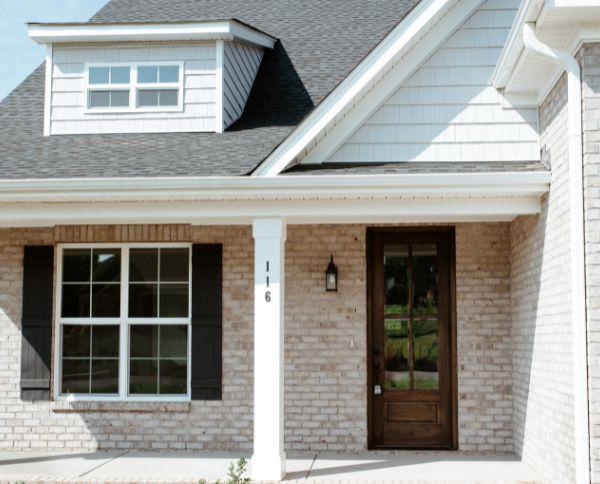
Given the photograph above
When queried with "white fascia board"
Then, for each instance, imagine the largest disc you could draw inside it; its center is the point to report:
(368, 211)
(442, 185)
(572, 3)
(363, 110)
(365, 73)
(51, 33)
(513, 48)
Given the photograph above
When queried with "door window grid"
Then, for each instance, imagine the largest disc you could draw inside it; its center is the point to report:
(402, 345)
(124, 322)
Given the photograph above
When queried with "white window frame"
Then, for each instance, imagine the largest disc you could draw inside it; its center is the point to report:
(124, 323)
(134, 86)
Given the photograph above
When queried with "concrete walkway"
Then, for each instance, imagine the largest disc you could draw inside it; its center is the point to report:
(146, 467)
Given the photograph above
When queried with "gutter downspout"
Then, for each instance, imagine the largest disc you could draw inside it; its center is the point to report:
(578, 297)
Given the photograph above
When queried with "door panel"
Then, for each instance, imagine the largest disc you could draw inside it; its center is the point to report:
(410, 340)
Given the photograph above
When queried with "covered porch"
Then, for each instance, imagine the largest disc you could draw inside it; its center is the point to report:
(297, 375)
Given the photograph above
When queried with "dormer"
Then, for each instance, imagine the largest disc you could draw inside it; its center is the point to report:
(148, 77)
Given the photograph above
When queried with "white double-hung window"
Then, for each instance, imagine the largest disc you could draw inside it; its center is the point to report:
(123, 315)
(134, 87)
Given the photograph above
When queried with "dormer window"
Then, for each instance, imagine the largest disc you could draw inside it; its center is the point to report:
(148, 77)
(134, 87)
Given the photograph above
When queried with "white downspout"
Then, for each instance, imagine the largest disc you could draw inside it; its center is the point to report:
(578, 302)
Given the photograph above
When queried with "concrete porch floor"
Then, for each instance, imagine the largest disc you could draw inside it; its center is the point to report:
(138, 467)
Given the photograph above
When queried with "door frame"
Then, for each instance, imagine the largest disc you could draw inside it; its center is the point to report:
(451, 233)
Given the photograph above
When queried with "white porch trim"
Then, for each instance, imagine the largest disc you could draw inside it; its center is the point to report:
(268, 459)
(431, 198)
(447, 185)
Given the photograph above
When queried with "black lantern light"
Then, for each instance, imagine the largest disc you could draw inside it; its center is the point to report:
(331, 276)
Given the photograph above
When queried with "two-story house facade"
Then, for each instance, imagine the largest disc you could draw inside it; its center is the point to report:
(286, 226)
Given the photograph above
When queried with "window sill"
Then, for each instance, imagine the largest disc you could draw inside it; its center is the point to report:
(65, 406)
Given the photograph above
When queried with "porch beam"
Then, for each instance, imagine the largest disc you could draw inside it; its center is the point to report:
(268, 459)
(351, 209)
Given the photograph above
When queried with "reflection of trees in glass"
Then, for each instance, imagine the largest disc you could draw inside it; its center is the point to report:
(396, 282)
(425, 275)
(425, 345)
(396, 345)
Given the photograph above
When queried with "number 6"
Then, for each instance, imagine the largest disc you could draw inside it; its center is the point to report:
(268, 296)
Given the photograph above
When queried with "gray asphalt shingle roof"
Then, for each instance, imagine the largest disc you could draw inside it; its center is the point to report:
(395, 168)
(321, 41)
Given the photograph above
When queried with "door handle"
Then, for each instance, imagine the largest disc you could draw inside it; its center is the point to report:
(377, 372)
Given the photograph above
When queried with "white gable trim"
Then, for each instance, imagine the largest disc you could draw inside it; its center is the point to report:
(422, 17)
(388, 85)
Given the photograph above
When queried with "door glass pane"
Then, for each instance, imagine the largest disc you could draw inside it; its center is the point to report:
(425, 280)
(425, 322)
(397, 370)
(426, 354)
(395, 263)
(396, 326)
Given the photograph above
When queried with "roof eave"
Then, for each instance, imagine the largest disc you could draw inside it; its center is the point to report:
(231, 29)
(492, 184)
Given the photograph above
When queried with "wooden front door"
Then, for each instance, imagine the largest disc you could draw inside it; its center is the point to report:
(411, 333)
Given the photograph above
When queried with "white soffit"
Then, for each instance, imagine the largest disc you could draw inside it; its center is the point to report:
(526, 77)
(57, 33)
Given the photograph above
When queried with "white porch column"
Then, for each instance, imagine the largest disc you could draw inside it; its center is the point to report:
(268, 459)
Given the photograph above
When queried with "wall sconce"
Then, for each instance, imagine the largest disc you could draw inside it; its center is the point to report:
(331, 277)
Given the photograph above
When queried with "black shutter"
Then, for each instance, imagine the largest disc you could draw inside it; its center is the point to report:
(207, 275)
(38, 263)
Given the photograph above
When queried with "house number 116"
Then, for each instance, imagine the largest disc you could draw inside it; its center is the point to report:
(268, 291)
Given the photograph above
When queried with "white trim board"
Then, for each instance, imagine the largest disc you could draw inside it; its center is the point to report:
(421, 18)
(319, 211)
(240, 189)
(54, 33)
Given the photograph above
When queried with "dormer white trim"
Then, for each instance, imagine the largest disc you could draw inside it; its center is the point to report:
(232, 30)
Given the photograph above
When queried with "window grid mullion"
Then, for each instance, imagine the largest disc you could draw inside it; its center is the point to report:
(90, 363)
(91, 280)
(158, 286)
(158, 361)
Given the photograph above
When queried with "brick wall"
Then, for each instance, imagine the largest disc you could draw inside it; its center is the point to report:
(325, 347)
(541, 302)
(590, 62)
